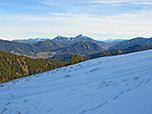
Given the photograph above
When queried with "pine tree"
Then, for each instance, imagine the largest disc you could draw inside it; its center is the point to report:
(74, 59)
(81, 60)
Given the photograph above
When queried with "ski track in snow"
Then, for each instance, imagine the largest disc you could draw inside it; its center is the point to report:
(90, 87)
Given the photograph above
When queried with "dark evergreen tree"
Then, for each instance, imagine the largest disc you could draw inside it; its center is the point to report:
(74, 59)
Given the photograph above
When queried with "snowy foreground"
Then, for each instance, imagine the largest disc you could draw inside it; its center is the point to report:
(109, 85)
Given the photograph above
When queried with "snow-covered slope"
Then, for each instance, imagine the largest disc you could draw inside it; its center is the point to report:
(109, 85)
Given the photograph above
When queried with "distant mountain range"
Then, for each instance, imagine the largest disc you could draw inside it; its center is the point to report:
(49, 48)
(113, 40)
(71, 40)
(59, 39)
(80, 45)
(32, 41)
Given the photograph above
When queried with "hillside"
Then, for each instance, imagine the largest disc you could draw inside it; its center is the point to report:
(66, 57)
(135, 48)
(18, 48)
(135, 41)
(47, 49)
(48, 46)
(108, 85)
(81, 48)
(131, 49)
(13, 66)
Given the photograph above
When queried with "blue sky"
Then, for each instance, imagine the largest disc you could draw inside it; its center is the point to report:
(99, 19)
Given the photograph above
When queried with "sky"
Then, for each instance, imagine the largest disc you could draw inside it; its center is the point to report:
(99, 19)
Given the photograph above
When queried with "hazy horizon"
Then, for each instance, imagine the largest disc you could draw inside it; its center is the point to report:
(71, 37)
(98, 19)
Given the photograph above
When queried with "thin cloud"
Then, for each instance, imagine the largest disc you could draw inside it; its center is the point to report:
(80, 16)
(60, 14)
(127, 23)
(139, 2)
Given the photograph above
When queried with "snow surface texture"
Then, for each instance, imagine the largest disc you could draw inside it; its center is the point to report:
(108, 85)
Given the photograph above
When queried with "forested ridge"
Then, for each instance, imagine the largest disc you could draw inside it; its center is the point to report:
(13, 66)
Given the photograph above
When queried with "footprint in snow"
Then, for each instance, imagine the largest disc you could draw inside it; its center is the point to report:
(121, 93)
(82, 112)
(95, 108)
(128, 90)
(72, 91)
(94, 70)
(115, 98)
(147, 81)
(141, 82)
(50, 109)
(137, 86)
